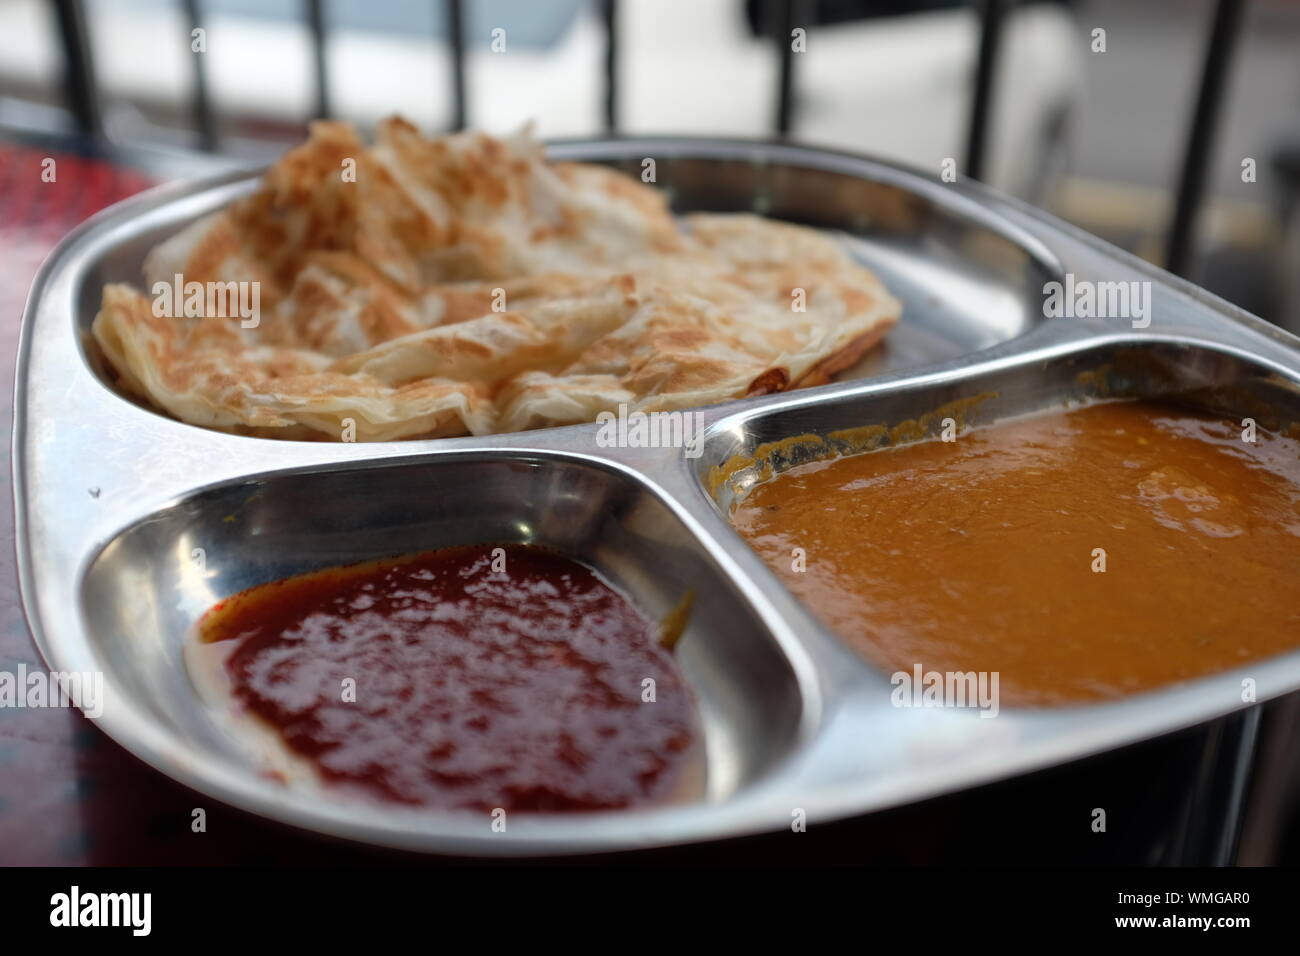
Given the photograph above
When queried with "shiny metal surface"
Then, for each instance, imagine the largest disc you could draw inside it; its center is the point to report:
(112, 499)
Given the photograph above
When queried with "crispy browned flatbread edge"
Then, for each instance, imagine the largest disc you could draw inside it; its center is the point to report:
(778, 379)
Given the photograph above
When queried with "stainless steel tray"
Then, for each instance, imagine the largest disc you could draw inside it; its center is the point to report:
(112, 499)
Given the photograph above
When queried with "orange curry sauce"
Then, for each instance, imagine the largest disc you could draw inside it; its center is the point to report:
(987, 553)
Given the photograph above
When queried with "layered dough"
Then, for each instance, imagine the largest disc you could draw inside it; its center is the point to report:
(463, 285)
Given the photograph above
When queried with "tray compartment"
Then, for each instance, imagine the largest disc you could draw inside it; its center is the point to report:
(143, 593)
(968, 279)
(1203, 722)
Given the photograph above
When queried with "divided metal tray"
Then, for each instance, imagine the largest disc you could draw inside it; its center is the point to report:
(113, 499)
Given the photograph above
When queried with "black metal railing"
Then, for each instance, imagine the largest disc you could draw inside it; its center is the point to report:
(783, 17)
(78, 67)
(316, 24)
(456, 36)
(1202, 133)
(205, 120)
(981, 108)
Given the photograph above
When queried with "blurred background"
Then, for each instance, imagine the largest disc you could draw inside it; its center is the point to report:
(1088, 109)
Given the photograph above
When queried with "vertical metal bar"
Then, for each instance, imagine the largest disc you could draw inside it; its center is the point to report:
(456, 36)
(782, 19)
(201, 105)
(610, 10)
(78, 67)
(986, 62)
(316, 24)
(1200, 139)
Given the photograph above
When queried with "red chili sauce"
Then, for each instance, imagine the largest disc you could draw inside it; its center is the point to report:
(520, 689)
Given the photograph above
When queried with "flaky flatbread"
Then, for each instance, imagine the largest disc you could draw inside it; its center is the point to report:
(463, 285)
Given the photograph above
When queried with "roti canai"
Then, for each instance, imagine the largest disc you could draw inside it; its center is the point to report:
(423, 288)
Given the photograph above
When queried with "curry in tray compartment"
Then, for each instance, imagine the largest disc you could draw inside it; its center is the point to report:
(1081, 554)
